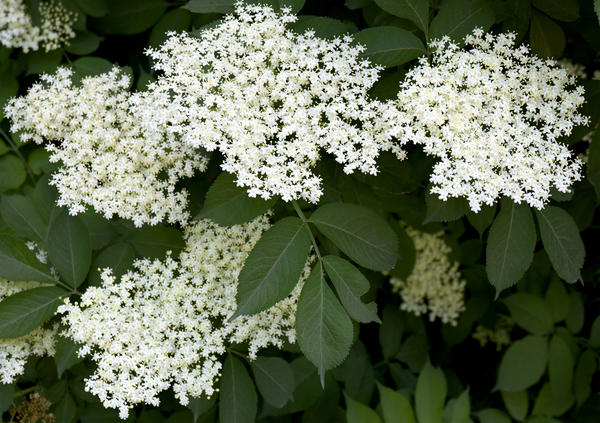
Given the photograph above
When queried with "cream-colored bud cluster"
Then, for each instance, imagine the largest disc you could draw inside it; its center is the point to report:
(17, 29)
(435, 285)
(500, 335)
(15, 351)
(166, 323)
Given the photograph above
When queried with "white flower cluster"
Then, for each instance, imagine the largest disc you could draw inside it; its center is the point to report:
(14, 352)
(166, 323)
(492, 115)
(17, 29)
(109, 160)
(435, 284)
(271, 101)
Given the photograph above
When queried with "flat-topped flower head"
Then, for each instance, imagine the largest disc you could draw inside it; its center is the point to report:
(166, 323)
(272, 101)
(108, 159)
(492, 113)
(17, 29)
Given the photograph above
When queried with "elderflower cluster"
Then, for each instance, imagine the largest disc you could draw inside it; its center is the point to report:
(492, 115)
(500, 335)
(167, 322)
(435, 285)
(17, 29)
(271, 101)
(15, 351)
(109, 161)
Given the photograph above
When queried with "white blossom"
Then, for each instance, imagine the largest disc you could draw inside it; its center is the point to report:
(492, 114)
(108, 159)
(17, 29)
(435, 285)
(166, 323)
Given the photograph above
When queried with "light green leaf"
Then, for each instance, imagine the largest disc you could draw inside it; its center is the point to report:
(492, 415)
(360, 233)
(562, 242)
(560, 368)
(430, 395)
(557, 299)
(273, 267)
(323, 328)
(510, 245)
(209, 6)
(416, 11)
(389, 45)
(66, 355)
(238, 399)
(70, 249)
(21, 214)
(523, 364)
(444, 210)
(275, 380)
(12, 172)
(350, 285)
(586, 367)
(530, 312)
(516, 403)
(359, 413)
(395, 406)
(26, 310)
(227, 204)
(546, 37)
(461, 412)
(130, 16)
(458, 18)
(561, 10)
(18, 263)
(546, 404)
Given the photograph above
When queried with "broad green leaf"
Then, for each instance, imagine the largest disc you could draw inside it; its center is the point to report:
(430, 395)
(389, 45)
(18, 263)
(548, 405)
(575, 316)
(595, 333)
(523, 364)
(155, 241)
(274, 378)
(593, 164)
(7, 392)
(416, 11)
(510, 245)
(516, 403)
(209, 6)
(177, 20)
(66, 410)
(66, 355)
(557, 299)
(95, 8)
(562, 242)
(561, 10)
(586, 367)
(273, 267)
(70, 249)
(395, 406)
(458, 18)
(444, 210)
(12, 172)
(84, 43)
(43, 62)
(461, 412)
(546, 37)
(597, 9)
(413, 351)
(359, 413)
(406, 251)
(390, 331)
(360, 233)
(26, 310)
(199, 406)
(350, 285)
(323, 26)
(21, 214)
(119, 257)
(492, 415)
(482, 219)
(561, 364)
(227, 204)
(278, 5)
(323, 328)
(238, 399)
(8, 89)
(130, 16)
(530, 312)
(90, 66)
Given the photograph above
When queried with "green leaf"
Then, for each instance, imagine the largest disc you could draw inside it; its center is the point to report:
(90, 66)
(21, 214)
(26, 310)
(389, 45)
(523, 364)
(275, 380)
(510, 245)
(516, 403)
(18, 263)
(360, 233)
(95, 8)
(395, 406)
(227, 204)
(84, 43)
(210, 6)
(595, 333)
(199, 406)
(413, 352)
(482, 219)
(561, 10)
(43, 62)
(7, 393)
(597, 9)
(546, 404)
(390, 331)
(530, 312)
(430, 395)
(130, 16)
(177, 20)
(70, 249)
(66, 410)
(238, 399)
(416, 11)
(8, 89)
(492, 415)
(155, 241)
(66, 355)
(593, 164)
(444, 211)
(323, 328)
(546, 37)
(350, 285)
(461, 411)
(560, 368)
(359, 413)
(558, 300)
(12, 172)
(458, 18)
(323, 26)
(575, 316)
(119, 257)
(562, 242)
(586, 367)
(273, 267)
